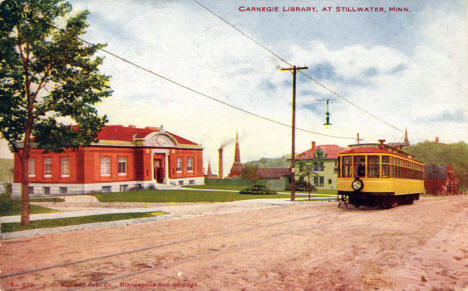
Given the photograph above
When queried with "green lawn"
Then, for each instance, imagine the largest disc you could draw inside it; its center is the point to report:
(13, 207)
(318, 192)
(47, 200)
(178, 196)
(231, 182)
(232, 187)
(47, 223)
(216, 187)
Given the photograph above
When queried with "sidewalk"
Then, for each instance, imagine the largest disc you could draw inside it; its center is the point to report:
(55, 215)
(75, 206)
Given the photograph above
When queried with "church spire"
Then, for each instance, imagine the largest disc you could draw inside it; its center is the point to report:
(237, 165)
(237, 151)
(406, 141)
(208, 172)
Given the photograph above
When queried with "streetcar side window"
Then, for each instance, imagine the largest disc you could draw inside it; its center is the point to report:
(373, 167)
(359, 166)
(385, 167)
(338, 167)
(412, 171)
(346, 166)
(398, 168)
(404, 169)
(392, 167)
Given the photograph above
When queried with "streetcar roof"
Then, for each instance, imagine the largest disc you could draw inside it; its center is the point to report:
(376, 148)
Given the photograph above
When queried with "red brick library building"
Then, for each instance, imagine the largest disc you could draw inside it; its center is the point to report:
(123, 158)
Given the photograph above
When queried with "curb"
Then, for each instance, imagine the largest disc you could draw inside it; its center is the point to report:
(42, 231)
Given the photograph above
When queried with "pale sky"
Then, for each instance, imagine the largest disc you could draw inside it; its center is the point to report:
(409, 69)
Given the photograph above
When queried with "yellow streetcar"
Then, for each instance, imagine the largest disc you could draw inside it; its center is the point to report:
(379, 175)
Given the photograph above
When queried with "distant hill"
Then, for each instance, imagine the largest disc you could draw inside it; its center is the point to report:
(281, 162)
(6, 168)
(439, 153)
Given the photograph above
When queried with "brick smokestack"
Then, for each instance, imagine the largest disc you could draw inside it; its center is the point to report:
(220, 163)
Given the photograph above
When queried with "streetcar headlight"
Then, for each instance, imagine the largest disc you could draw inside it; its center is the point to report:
(357, 184)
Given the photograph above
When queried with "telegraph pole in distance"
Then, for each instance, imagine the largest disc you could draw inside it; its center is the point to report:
(293, 70)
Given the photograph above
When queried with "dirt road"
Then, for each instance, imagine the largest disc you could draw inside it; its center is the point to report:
(307, 246)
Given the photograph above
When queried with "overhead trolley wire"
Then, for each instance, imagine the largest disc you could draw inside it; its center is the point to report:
(204, 94)
(288, 63)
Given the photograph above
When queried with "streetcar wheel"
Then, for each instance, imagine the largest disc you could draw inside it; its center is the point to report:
(387, 203)
(357, 203)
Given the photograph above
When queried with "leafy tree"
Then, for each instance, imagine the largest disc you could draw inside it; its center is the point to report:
(306, 170)
(49, 81)
(250, 173)
(438, 153)
(281, 162)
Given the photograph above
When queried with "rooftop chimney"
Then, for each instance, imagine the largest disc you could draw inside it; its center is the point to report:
(437, 139)
(312, 145)
(220, 163)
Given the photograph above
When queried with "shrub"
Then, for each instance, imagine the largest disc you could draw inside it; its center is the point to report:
(301, 185)
(257, 190)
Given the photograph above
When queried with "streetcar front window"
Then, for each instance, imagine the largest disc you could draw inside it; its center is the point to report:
(346, 166)
(373, 167)
(359, 166)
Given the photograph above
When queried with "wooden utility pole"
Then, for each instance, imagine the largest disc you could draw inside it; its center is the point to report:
(294, 69)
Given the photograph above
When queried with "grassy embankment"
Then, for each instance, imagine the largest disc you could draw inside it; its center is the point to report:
(13, 207)
(199, 196)
(240, 184)
(178, 196)
(222, 184)
(188, 196)
(48, 223)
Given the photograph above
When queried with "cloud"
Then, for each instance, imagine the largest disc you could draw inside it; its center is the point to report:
(371, 72)
(267, 85)
(397, 69)
(323, 71)
(453, 116)
(313, 107)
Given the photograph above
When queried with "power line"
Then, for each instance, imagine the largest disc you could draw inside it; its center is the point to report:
(204, 94)
(285, 61)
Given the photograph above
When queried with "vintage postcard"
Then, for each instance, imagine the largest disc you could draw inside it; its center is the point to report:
(210, 100)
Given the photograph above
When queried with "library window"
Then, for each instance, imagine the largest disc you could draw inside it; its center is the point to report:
(122, 166)
(32, 167)
(105, 166)
(190, 164)
(179, 165)
(47, 167)
(65, 167)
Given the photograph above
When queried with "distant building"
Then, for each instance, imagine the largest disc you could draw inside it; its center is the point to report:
(122, 158)
(273, 173)
(440, 179)
(209, 173)
(323, 159)
(401, 145)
